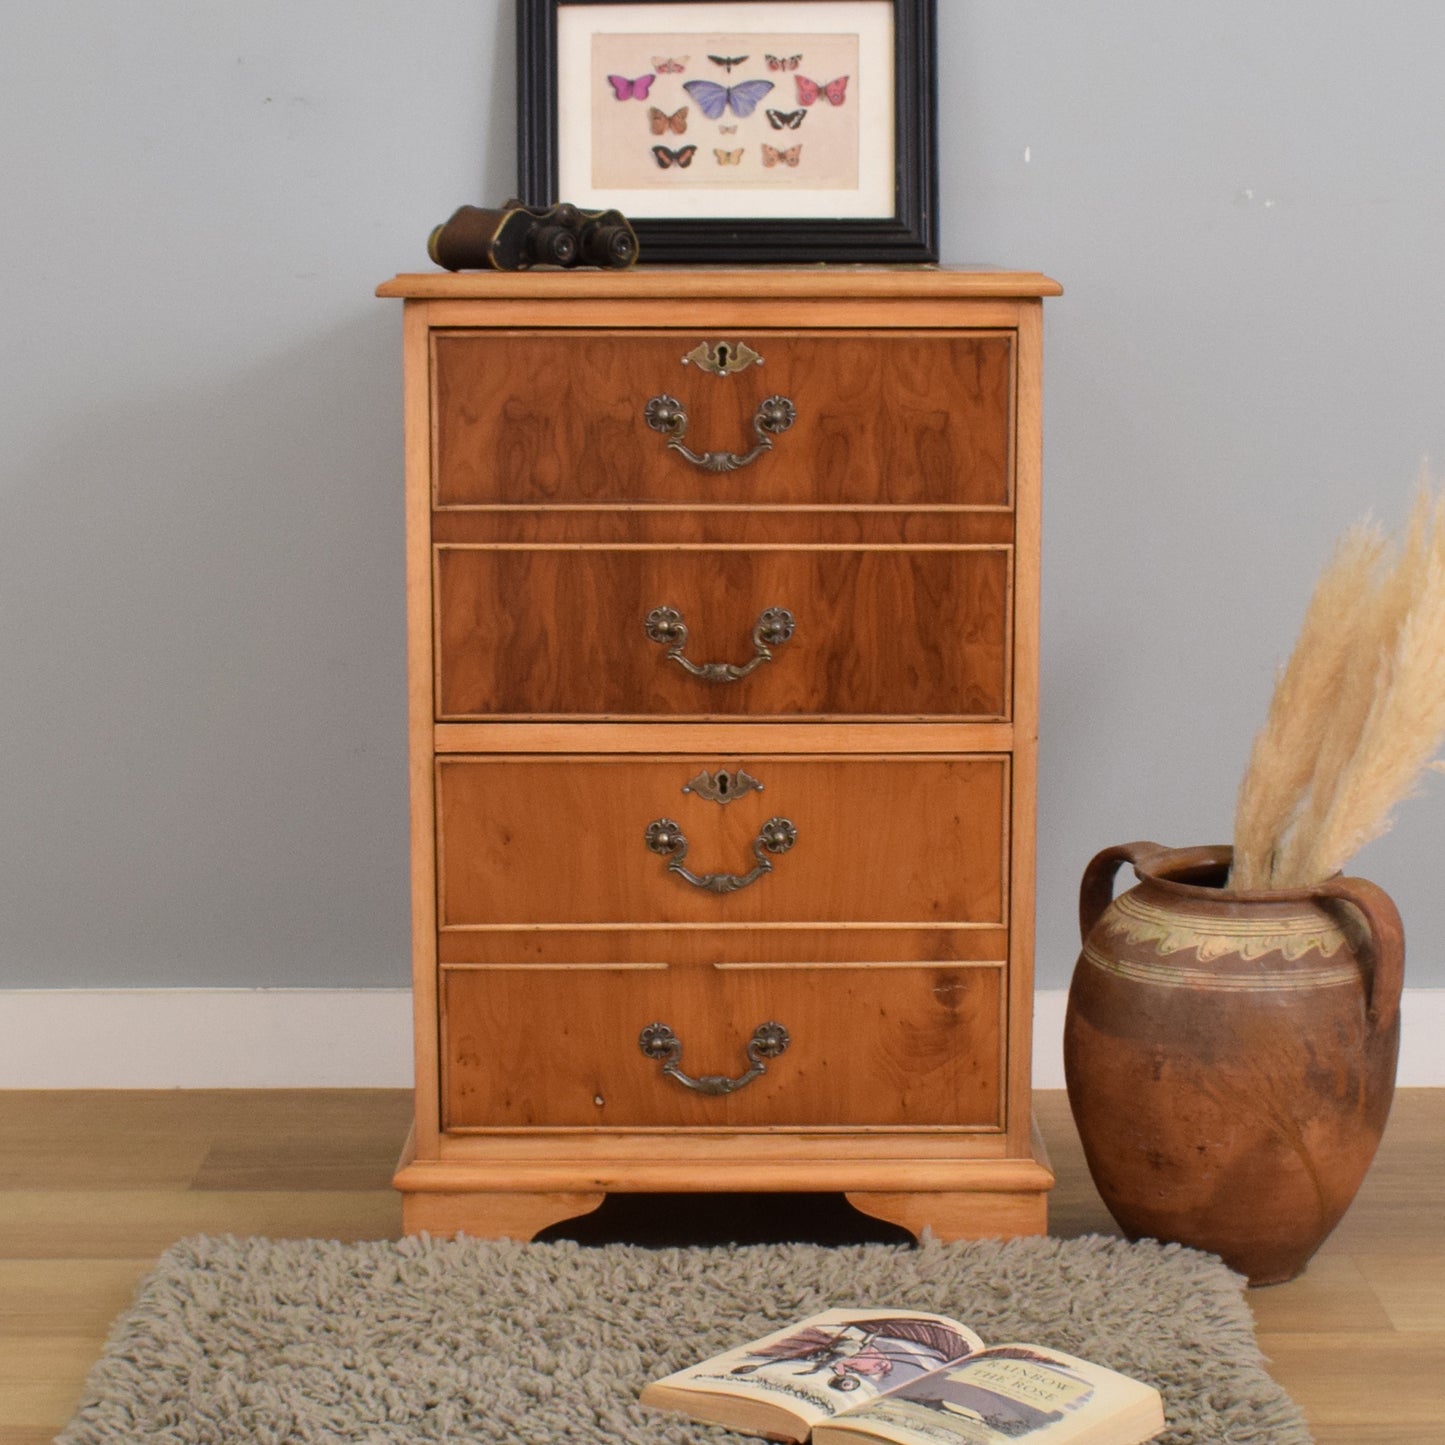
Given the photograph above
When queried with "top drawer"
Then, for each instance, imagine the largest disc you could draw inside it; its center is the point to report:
(880, 418)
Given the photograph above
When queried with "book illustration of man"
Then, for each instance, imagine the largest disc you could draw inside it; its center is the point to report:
(868, 1362)
(883, 1351)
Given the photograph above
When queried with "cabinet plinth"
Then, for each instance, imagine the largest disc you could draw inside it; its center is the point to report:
(723, 707)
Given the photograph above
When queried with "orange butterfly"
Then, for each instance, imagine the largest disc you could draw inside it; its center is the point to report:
(729, 158)
(662, 123)
(789, 157)
(681, 158)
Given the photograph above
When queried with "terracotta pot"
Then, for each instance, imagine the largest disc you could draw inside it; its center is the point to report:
(1230, 1057)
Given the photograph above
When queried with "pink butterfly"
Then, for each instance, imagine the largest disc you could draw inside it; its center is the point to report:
(789, 157)
(810, 90)
(631, 89)
(669, 64)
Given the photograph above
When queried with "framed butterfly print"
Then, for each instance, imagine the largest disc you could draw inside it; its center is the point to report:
(736, 130)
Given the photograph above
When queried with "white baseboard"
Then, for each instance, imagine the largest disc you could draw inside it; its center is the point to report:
(205, 1038)
(236, 1038)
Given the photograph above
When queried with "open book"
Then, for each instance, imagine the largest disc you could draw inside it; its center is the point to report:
(846, 1377)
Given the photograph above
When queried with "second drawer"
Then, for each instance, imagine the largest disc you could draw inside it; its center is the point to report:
(601, 839)
(869, 631)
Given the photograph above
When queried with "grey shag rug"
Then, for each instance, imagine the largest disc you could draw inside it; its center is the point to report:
(255, 1340)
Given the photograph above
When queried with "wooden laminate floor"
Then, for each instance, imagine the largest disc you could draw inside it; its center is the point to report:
(94, 1185)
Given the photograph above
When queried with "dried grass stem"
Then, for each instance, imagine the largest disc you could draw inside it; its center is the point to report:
(1357, 712)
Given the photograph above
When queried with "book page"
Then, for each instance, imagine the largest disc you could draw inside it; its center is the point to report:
(824, 1365)
(1004, 1393)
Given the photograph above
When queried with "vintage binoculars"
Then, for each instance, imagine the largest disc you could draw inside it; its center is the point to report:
(516, 237)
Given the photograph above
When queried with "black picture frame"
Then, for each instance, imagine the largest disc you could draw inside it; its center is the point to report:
(910, 234)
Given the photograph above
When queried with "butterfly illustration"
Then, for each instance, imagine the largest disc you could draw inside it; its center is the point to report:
(782, 62)
(626, 89)
(728, 129)
(810, 90)
(729, 158)
(681, 158)
(713, 98)
(661, 123)
(669, 64)
(727, 61)
(786, 119)
(789, 157)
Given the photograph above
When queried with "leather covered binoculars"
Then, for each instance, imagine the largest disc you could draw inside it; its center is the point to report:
(517, 237)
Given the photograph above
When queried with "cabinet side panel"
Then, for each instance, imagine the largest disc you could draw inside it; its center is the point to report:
(1028, 452)
(417, 420)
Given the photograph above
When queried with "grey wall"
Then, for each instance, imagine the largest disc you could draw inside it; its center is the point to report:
(201, 634)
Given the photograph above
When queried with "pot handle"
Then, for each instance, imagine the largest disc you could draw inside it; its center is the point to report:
(1096, 890)
(1387, 943)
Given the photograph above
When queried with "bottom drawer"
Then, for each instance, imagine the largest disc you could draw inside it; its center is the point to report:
(869, 1045)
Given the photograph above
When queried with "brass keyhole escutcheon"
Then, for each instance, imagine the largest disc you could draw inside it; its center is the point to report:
(722, 358)
(722, 786)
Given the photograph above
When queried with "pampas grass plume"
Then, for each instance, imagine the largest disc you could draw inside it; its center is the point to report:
(1283, 758)
(1357, 712)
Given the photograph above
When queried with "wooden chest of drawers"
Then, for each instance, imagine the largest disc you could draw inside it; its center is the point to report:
(722, 599)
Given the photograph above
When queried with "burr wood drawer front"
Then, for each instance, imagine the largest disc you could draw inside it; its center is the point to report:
(873, 418)
(734, 1045)
(658, 631)
(598, 839)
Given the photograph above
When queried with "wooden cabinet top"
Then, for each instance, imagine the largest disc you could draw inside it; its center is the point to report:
(724, 282)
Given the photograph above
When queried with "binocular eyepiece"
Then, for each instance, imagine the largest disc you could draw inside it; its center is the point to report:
(517, 237)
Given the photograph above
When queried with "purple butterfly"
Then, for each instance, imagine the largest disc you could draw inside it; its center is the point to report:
(631, 89)
(713, 99)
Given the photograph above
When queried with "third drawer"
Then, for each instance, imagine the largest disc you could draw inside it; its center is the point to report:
(886, 839)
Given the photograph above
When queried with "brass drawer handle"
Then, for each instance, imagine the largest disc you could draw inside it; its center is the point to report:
(658, 1041)
(773, 416)
(665, 626)
(664, 837)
